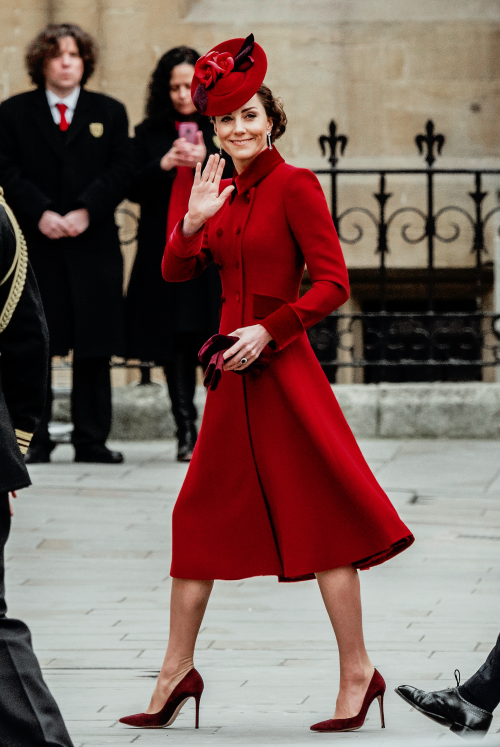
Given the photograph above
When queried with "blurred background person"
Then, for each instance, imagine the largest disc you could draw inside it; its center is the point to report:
(168, 322)
(65, 166)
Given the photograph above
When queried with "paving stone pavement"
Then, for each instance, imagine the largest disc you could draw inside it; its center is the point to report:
(88, 570)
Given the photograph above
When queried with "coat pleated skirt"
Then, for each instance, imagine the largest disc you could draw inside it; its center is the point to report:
(278, 485)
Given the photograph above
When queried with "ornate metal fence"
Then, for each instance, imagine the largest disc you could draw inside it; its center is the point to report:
(428, 334)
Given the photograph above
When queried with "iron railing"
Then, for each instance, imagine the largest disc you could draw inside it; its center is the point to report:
(428, 337)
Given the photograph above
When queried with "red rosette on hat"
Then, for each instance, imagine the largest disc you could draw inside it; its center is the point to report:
(228, 76)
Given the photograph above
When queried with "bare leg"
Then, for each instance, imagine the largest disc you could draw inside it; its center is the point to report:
(188, 602)
(341, 594)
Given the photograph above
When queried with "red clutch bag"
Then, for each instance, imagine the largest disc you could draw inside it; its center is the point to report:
(211, 357)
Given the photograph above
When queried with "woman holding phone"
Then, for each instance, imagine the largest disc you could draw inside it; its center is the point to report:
(166, 322)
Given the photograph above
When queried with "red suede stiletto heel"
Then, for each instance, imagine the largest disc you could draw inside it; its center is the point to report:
(191, 686)
(376, 689)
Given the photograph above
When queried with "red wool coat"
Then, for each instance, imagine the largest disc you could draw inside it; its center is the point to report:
(277, 484)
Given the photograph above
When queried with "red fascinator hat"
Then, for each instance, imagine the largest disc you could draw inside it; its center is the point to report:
(228, 76)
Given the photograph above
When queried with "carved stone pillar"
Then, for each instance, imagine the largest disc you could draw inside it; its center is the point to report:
(125, 62)
(19, 23)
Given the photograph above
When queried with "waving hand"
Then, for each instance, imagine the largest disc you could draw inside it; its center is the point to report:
(205, 199)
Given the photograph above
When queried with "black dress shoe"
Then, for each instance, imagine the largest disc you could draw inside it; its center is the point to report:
(39, 453)
(98, 454)
(449, 708)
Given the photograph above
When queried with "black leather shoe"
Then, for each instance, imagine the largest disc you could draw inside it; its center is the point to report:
(39, 453)
(448, 708)
(98, 455)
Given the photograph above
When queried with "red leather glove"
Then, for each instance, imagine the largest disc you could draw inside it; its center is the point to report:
(211, 357)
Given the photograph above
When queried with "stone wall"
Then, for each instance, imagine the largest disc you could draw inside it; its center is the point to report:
(379, 67)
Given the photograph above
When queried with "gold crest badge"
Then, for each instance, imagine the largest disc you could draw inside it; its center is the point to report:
(96, 129)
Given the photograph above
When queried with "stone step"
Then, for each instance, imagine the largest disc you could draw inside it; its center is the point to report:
(436, 410)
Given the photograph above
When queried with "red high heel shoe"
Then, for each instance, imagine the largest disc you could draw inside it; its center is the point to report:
(376, 689)
(191, 686)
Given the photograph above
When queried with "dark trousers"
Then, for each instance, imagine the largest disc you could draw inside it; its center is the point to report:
(483, 688)
(29, 716)
(90, 405)
(180, 372)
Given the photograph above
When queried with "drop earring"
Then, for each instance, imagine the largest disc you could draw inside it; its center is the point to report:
(269, 141)
(220, 152)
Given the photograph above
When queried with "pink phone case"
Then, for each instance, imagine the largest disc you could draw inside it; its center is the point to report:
(188, 130)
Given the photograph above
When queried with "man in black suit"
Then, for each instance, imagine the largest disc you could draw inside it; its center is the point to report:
(29, 716)
(65, 166)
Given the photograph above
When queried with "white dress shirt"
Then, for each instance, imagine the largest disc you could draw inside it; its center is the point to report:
(70, 101)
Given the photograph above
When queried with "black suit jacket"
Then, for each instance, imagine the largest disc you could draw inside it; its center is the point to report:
(23, 367)
(89, 166)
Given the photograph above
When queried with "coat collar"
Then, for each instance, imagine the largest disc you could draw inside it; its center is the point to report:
(45, 121)
(80, 116)
(43, 117)
(69, 101)
(257, 170)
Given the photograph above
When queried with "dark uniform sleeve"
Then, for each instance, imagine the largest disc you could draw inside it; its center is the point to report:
(105, 193)
(23, 346)
(26, 200)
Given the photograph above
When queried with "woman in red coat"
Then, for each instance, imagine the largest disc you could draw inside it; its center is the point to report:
(277, 484)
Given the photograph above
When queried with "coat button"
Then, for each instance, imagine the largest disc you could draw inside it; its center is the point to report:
(238, 230)
(238, 296)
(237, 264)
(248, 198)
(219, 232)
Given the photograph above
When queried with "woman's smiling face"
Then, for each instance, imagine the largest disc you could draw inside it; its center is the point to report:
(243, 133)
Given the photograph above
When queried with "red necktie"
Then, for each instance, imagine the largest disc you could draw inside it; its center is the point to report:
(63, 124)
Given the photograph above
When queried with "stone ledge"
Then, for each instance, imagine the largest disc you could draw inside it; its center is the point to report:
(142, 413)
(440, 410)
(470, 410)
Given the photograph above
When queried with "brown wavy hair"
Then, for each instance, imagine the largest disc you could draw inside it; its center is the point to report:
(45, 46)
(274, 110)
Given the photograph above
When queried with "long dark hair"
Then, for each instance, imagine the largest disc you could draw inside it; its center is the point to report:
(46, 45)
(159, 106)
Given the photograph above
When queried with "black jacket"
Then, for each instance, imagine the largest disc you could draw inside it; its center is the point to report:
(89, 166)
(156, 310)
(23, 367)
